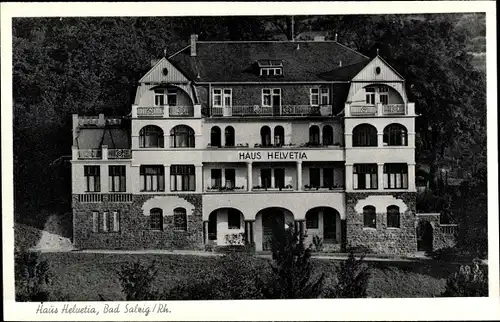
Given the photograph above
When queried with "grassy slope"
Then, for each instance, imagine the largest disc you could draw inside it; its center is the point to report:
(84, 277)
(25, 236)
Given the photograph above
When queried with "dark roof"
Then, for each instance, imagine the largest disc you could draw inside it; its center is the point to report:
(237, 61)
(344, 73)
(94, 138)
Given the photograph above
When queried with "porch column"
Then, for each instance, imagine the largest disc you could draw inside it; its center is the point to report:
(249, 231)
(167, 178)
(205, 232)
(380, 176)
(380, 139)
(272, 178)
(299, 175)
(299, 225)
(249, 176)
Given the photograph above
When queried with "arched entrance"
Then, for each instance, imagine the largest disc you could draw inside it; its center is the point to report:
(424, 236)
(226, 226)
(273, 223)
(324, 222)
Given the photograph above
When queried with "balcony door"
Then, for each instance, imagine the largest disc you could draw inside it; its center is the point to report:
(276, 101)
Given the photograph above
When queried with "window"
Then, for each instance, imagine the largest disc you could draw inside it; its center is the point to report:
(151, 136)
(327, 135)
(271, 71)
(314, 177)
(230, 175)
(228, 97)
(217, 97)
(265, 176)
(384, 95)
(279, 135)
(215, 136)
(159, 97)
(314, 135)
(395, 135)
(92, 178)
(266, 97)
(216, 175)
(395, 176)
(105, 221)
(95, 221)
(370, 95)
(314, 96)
(365, 176)
(325, 96)
(156, 219)
(265, 135)
(229, 136)
(328, 178)
(115, 221)
(117, 178)
(180, 219)
(369, 217)
(233, 219)
(182, 178)
(152, 178)
(393, 217)
(312, 219)
(364, 135)
(172, 97)
(182, 136)
(279, 178)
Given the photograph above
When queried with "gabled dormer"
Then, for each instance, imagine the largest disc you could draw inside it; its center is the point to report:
(270, 68)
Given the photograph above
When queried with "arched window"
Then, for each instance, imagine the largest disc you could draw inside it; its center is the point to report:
(314, 135)
(182, 136)
(151, 136)
(265, 136)
(279, 135)
(327, 135)
(393, 217)
(215, 136)
(312, 219)
(180, 219)
(229, 136)
(395, 135)
(364, 135)
(369, 217)
(156, 219)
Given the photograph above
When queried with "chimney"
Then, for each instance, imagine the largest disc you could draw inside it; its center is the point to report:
(154, 61)
(319, 38)
(194, 39)
(335, 37)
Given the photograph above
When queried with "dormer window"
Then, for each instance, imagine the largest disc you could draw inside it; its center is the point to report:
(270, 67)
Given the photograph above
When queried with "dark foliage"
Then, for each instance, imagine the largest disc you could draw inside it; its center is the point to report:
(352, 279)
(291, 274)
(470, 281)
(137, 280)
(32, 275)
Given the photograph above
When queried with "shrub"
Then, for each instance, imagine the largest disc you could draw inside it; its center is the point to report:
(352, 279)
(290, 275)
(137, 280)
(318, 243)
(32, 275)
(469, 281)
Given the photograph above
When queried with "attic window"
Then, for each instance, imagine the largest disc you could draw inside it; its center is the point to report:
(270, 67)
(270, 63)
(271, 71)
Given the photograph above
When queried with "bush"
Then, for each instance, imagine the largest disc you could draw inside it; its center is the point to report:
(352, 279)
(137, 280)
(32, 275)
(469, 281)
(318, 243)
(290, 276)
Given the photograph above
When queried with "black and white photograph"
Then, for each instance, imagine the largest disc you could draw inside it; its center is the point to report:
(161, 159)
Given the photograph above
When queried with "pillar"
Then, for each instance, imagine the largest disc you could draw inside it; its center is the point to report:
(104, 151)
(380, 139)
(166, 111)
(249, 176)
(411, 178)
(299, 175)
(272, 178)
(348, 177)
(249, 232)
(299, 225)
(104, 173)
(167, 177)
(205, 232)
(380, 176)
(198, 175)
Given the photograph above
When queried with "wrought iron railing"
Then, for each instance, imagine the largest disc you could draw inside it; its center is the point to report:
(119, 154)
(90, 154)
(393, 109)
(364, 110)
(181, 110)
(283, 110)
(153, 111)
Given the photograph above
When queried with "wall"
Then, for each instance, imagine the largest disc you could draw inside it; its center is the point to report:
(381, 239)
(440, 239)
(134, 221)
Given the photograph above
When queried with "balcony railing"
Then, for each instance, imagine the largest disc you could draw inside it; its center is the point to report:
(90, 154)
(154, 111)
(449, 228)
(119, 154)
(283, 110)
(180, 111)
(100, 197)
(364, 110)
(394, 109)
(378, 109)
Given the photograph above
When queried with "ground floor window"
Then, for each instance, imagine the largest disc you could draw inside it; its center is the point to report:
(312, 220)
(152, 178)
(180, 219)
(395, 176)
(393, 217)
(105, 221)
(233, 219)
(369, 217)
(156, 219)
(365, 176)
(182, 178)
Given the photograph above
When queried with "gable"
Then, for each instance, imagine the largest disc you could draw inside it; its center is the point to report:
(386, 72)
(156, 74)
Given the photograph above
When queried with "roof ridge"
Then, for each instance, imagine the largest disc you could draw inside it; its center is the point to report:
(357, 52)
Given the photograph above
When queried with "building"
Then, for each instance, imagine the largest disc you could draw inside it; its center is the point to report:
(228, 141)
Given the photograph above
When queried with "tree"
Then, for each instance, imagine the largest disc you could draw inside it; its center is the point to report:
(352, 279)
(291, 274)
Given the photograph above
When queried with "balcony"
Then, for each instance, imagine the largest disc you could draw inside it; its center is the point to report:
(283, 110)
(97, 121)
(155, 111)
(90, 154)
(119, 154)
(166, 111)
(101, 154)
(380, 109)
(180, 111)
